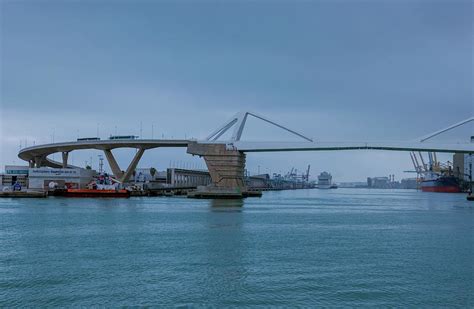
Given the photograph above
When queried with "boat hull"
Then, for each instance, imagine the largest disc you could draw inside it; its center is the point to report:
(443, 189)
(442, 184)
(324, 187)
(96, 193)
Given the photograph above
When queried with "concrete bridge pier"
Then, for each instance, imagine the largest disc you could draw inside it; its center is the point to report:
(113, 164)
(118, 173)
(133, 165)
(38, 161)
(65, 156)
(226, 166)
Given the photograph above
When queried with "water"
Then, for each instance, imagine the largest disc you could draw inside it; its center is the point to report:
(301, 248)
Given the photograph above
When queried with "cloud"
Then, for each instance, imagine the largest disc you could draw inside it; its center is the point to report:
(335, 71)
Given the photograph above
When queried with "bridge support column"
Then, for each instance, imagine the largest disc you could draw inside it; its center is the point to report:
(113, 164)
(65, 155)
(133, 165)
(38, 161)
(118, 174)
(226, 167)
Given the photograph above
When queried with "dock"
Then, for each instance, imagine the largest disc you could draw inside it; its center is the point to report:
(23, 194)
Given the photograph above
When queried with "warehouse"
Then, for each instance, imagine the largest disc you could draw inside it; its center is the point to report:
(40, 178)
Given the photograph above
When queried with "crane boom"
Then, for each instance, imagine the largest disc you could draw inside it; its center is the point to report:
(416, 166)
(423, 161)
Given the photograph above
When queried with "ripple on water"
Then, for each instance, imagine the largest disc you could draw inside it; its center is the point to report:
(348, 248)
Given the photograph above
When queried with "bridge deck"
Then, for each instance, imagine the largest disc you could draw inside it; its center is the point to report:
(47, 149)
(44, 151)
(332, 146)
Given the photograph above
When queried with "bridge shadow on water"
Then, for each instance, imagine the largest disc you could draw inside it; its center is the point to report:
(226, 204)
(225, 270)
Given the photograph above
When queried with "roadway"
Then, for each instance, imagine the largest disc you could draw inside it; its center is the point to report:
(42, 152)
(335, 146)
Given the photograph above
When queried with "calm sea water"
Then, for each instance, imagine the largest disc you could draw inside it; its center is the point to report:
(294, 248)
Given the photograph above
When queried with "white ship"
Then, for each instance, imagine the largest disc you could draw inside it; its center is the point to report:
(325, 181)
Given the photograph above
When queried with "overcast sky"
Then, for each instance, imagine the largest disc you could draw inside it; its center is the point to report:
(334, 70)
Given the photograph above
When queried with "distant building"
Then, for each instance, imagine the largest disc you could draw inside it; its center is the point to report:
(178, 177)
(14, 174)
(390, 183)
(409, 183)
(76, 178)
(379, 182)
(144, 175)
(258, 181)
(354, 184)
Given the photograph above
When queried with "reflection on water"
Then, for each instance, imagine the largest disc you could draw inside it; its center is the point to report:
(225, 270)
(349, 248)
(230, 204)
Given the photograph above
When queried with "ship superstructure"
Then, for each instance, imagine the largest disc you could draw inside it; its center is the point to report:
(325, 181)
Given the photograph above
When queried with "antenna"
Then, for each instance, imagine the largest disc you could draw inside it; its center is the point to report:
(101, 164)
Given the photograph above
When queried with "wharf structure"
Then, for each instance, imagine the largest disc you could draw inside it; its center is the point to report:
(14, 174)
(71, 178)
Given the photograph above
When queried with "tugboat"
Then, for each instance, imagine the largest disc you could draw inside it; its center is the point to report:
(104, 186)
(96, 193)
(470, 197)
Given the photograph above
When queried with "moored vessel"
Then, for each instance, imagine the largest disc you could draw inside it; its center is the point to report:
(325, 181)
(96, 193)
(445, 184)
(103, 186)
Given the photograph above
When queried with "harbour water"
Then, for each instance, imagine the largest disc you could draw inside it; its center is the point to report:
(344, 247)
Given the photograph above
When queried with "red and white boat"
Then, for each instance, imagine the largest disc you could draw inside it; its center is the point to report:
(96, 193)
(104, 186)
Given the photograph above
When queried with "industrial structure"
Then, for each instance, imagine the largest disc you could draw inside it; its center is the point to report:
(436, 176)
(14, 175)
(225, 159)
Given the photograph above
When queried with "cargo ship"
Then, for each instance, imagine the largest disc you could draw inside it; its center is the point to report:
(436, 176)
(445, 184)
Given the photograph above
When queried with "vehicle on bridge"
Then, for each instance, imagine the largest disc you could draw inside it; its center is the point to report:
(88, 139)
(114, 137)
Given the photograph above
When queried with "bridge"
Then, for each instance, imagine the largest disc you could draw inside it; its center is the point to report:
(225, 159)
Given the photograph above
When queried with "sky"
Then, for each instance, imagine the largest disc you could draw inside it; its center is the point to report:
(333, 70)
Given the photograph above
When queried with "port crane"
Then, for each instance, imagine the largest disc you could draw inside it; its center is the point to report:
(434, 167)
(293, 174)
(307, 172)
